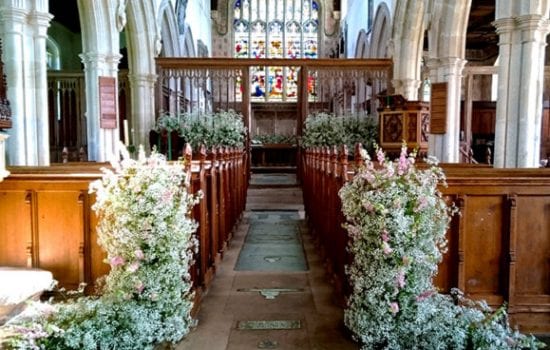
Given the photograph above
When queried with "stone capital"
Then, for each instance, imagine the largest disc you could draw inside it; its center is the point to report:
(533, 28)
(142, 79)
(113, 59)
(504, 25)
(447, 65)
(14, 15)
(41, 23)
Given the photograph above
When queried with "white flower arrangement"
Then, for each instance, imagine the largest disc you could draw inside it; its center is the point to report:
(396, 221)
(323, 129)
(223, 128)
(145, 227)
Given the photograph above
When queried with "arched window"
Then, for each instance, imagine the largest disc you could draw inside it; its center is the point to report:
(275, 29)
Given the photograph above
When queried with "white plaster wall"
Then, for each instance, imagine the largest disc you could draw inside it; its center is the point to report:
(198, 21)
(356, 18)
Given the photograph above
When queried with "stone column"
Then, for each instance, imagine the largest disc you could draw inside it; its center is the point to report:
(13, 32)
(102, 143)
(142, 87)
(40, 21)
(24, 28)
(446, 146)
(3, 172)
(519, 105)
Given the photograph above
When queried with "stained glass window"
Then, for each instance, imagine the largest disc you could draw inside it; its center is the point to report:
(275, 29)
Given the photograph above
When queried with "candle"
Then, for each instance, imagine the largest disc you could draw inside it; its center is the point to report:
(126, 137)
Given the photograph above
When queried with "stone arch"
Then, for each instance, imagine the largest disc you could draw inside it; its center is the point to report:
(361, 48)
(406, 46)
(144, 44)
(143, 37)
(101, 56)
(447, 31)
(446, 52)
(168, 30)
(381, 32)
(188, 44)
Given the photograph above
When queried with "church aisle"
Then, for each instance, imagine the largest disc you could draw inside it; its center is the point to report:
(280, 302)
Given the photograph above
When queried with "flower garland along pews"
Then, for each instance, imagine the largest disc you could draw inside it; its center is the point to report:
(396, 222)
(144, 226)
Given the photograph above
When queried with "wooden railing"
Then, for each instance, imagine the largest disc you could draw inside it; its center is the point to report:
(499, 247)
(46, 219)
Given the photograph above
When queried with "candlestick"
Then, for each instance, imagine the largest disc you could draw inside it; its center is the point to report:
(126, 137)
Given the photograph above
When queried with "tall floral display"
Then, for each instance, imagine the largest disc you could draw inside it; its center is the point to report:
(396, 222)
(144, 226)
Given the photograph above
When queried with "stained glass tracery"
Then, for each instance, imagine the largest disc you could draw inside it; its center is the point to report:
(275, 29)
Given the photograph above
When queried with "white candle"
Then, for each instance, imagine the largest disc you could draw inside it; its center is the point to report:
(126, 138)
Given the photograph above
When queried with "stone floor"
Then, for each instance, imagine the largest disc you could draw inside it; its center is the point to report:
(270, 303)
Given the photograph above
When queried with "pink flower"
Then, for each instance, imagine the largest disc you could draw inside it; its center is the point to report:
(139, 254)
(116, 261)
(380, 156)
(403, 164)
(385, 236)
(389, 171)
(133, 266)
(167, 197)
(139, 286)
(400, 279)
(354, 231)
(394, 307)
(386, 248)
(368, 207)
(154, 296)
(424, 295)
(422, 203)
(406, 261)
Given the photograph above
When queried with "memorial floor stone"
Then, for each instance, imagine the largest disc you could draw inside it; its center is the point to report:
(273, 243)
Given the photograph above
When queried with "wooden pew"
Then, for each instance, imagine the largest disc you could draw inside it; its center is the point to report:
(499, 248)
(46, 219)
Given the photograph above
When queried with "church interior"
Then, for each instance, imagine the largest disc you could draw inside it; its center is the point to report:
(270, 105)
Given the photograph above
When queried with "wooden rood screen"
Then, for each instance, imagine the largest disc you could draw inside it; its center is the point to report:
(323, 85)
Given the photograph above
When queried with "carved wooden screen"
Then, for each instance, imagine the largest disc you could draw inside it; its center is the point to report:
(67, 125)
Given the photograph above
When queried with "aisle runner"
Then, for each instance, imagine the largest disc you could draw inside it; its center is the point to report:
(273, 243)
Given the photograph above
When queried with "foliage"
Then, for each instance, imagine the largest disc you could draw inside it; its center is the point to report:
(324, 129)
(145, 229)
(224, 128)
(396, 221)
(274, 138)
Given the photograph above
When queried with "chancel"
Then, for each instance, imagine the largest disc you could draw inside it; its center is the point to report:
(299, 174)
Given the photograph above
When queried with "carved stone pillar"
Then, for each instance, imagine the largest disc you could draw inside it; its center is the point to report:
(24, 27)
(40, 23)
(102, 142)
(142, 87)
(3, 172)
(446, 146)
(519, 105)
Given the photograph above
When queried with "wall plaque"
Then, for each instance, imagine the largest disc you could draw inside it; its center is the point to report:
(107, 102)
(438, 109)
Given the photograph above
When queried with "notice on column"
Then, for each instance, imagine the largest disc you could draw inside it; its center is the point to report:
(107, 102)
